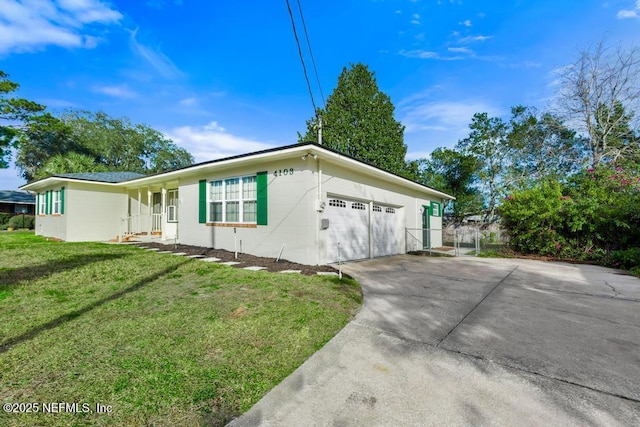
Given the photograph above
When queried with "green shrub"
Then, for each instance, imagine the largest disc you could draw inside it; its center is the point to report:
(17, 221)
(594, 216)
(534, 218)
(627, 259)
(4, 218)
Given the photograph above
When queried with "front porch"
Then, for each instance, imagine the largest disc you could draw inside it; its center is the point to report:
(152, 213)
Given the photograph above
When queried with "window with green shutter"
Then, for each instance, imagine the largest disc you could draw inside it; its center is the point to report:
(49, 202)
(62, 201)
(436, 209)
(262, 208)
(202, 201)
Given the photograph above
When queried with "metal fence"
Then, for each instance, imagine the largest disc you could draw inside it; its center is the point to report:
(455, 241)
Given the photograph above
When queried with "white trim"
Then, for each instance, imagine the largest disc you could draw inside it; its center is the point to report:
(240, 199)
(172, 209)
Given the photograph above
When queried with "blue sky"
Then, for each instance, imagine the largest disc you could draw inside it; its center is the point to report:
(223, 78)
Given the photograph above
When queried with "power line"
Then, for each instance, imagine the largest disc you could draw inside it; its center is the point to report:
(313, 61)
(304, 68)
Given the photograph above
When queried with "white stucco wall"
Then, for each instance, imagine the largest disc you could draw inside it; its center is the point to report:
(340, 182)
(94, 211)
(291, 218)
(52, 225)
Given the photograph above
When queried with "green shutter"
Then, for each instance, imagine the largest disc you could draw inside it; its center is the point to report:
(436, 209)
(202, 201)
(37, 203)
(49, 202)
(62, 201)
(262, 208)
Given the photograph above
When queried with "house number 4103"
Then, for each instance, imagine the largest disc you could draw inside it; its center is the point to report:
(283, 172)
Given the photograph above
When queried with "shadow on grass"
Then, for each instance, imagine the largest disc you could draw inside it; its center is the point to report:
(11, 276)
(7, 345)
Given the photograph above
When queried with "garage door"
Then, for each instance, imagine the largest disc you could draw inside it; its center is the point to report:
(386, 223)
(348, 229)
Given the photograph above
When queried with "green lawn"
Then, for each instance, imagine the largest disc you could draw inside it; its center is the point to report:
(162, 339)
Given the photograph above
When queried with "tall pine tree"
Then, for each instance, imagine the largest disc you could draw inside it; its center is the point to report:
(358, 121)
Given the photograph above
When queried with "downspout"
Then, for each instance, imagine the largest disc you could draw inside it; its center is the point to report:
(319, 209)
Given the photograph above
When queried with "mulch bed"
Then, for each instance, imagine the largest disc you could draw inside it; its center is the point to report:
(245, 260)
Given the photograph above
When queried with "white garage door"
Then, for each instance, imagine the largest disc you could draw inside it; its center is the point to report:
(386, 223)
(348, 227)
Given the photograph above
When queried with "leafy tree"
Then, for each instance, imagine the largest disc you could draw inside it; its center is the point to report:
(456, 174)
(43, 137)
(615, 126)
(487, 142)
(70, 162)
(594, 93)
(358, 121)
(539, 146)
(114, 144)
(13, 111)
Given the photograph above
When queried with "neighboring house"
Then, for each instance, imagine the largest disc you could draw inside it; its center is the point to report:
(309, 203)
(17, 202)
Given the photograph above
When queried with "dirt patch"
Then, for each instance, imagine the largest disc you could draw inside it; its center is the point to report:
(245, 260)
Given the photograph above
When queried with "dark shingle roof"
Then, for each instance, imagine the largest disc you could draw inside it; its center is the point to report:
(9, 196)
(111, 177)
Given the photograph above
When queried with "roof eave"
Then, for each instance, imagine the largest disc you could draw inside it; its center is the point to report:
(45, 182)
(271, 154)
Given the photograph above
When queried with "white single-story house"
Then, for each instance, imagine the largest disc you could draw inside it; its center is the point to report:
(305, 202)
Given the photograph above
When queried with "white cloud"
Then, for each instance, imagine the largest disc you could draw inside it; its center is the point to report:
(212, 142)
(473, 39)
(451, 118)
(418, 53)
(426, 54)
(158, 60)
(188, 102)
(466, 23)
(460, 50)
(117, 91)
(630, 13)
(416, 19)
(30, 25)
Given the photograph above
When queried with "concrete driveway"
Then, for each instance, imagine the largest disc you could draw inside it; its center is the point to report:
(469, 341)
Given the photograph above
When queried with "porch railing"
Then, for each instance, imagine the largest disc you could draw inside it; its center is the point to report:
(140, 224)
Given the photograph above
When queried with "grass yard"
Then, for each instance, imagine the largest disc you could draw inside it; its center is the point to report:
(161, 339)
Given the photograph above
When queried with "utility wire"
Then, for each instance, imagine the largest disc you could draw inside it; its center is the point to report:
(304, 68)
(313, 61)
